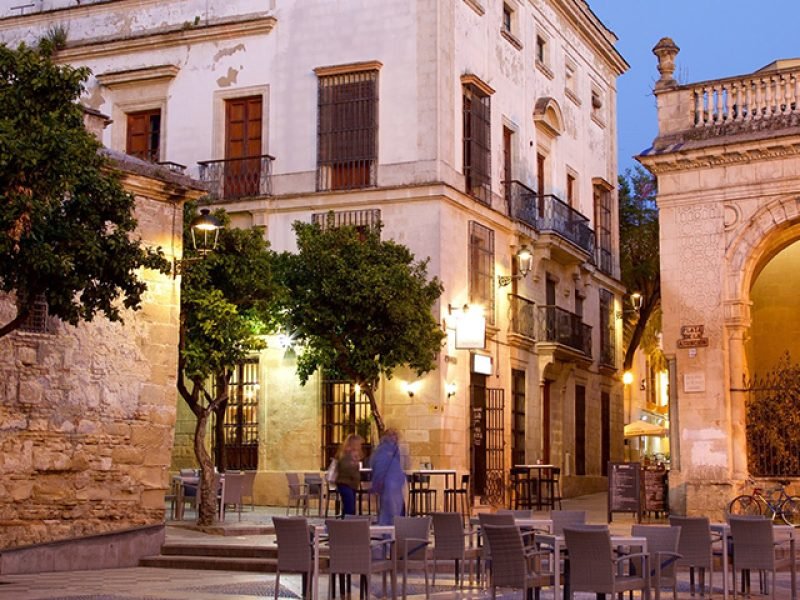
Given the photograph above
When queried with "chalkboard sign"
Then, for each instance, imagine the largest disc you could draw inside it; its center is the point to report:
(654, 490)
(624, 483)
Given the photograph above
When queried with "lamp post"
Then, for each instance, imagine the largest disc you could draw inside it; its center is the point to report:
(205, 234)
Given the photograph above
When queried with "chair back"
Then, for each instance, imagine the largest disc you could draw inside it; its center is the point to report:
(350, 545)
(508, 555)
(695, 541)
(448, 535)
(753, 543)
(660, 539)
(313, 482)
(498, 518)
(295, 487)
(232, 488)
(566, 518)
(188, 473)
(517, 513)
(408, 528)
(248, 482)
(590, 557)
(294, 544)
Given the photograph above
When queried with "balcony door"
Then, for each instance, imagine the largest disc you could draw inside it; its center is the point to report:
(243, 123)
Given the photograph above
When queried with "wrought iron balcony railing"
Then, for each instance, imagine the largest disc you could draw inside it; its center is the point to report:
(234, 178)
(521, 202)
(605, 261)
(560, 218)
(523, 316)
(560, 326)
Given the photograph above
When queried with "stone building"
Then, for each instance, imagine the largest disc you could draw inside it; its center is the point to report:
(470, 128)
(727, 163)
(88, 412)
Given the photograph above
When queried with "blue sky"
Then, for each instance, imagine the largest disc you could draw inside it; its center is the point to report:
(717, 39)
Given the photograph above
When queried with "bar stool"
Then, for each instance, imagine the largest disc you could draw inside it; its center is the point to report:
(523, 492)
(421, 498)
(452, 496)
(550, 488)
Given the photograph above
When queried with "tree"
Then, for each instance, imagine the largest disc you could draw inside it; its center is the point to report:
(226, 308)
(361, 307)
(639, 254)
(67, 230)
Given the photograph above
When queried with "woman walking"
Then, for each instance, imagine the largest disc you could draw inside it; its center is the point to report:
(348, 476)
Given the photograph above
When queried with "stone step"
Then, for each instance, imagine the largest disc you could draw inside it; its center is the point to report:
(222, 550)
(221, 563)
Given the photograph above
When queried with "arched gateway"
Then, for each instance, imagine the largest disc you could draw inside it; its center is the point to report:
(727, 159)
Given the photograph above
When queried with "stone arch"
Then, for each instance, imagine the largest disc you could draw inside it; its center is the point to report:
(547, 115)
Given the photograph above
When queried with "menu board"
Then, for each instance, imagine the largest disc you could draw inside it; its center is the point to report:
(654, 492)
(624, 483)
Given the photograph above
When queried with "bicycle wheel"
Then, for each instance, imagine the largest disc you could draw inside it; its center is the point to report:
(790, 511)
(745, 505)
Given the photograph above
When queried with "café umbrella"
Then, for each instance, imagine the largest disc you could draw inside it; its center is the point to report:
(642, 428)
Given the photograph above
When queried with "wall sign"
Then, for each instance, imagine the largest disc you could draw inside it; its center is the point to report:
(692, 336)
(694, 382)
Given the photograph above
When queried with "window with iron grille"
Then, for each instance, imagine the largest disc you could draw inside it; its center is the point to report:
(37, 320)
(518, 417)
(477, 143)
(345, 410)
(607, 329)
(360, 219)
(347, 131)
(602, 224)
(481, 268)
(144, 134)
(240, 425)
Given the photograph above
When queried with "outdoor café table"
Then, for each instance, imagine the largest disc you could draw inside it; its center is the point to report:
(317, 531)
(446, 473)
(555, 544)
(537, 471)
(781, 532)
(542, 525)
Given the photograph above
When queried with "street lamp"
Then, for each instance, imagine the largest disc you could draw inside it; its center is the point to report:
(205, 234)
(524, 258)
(636, 303)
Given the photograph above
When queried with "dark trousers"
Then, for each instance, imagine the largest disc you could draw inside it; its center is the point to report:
(348, 496)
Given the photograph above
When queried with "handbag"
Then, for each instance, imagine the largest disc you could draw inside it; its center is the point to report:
(331, 473)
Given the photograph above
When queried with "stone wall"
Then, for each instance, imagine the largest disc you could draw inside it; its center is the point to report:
(87, 412)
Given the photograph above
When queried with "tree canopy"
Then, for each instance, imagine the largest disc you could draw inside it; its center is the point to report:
(360, 306)
(67, 229)
(639, 255)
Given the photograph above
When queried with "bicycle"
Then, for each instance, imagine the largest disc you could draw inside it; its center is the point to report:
(774, 503)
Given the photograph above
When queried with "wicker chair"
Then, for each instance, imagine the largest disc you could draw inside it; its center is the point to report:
(662, 545)
(295, 553)
(753, 549)
(566, 518)
(314, 483)
(516, 513)
(247, 487)
(696, 549)
(298, 494)
(351, 553)
(412, 538)
(513, 564)
(231, 493)
(594, 567)
(450, 539)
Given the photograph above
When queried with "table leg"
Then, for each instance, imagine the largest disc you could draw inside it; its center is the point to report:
(724, 568)
(315, 566)
(557, 570)
(793, 567)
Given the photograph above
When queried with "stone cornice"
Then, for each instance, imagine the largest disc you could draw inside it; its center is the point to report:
(476, 6)
(470, 79)
(357, 67)
(678, 159)
(250, 25)
(137, 76)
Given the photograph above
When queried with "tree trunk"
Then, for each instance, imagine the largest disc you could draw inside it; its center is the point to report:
(649, 306)
(376, 414)
(207, 492)
(219, 436)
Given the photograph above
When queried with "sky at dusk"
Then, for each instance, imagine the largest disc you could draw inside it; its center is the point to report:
(717, 39)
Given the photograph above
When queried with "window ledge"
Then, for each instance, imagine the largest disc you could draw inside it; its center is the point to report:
(572, 96)
(476, 6)
(511, 39)
(598, 120)
(544, 69)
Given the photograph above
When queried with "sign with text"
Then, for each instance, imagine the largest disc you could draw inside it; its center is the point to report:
(694, 382)
(624, 489)
(692, 336)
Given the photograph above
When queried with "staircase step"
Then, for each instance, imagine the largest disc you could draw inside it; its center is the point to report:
(220, 550)
(221, 563)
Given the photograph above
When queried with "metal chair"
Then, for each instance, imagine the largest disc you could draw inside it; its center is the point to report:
(298, 494)
(550, 488)
(412, 538)
(450, 543)
(329, 488)
(513, 564)
(594, 568)
(421, 497)
(295, 552)
(453, 497)
(314, 484)
(696, 549)
(662, 545)
(353, 553)
(523, 489)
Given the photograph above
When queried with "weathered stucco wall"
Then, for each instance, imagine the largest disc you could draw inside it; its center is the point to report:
(87, 412)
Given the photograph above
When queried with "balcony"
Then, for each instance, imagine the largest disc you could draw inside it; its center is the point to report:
(549, 214)
(559, 326)
(523, 316)
(558, 217)
(235, 178)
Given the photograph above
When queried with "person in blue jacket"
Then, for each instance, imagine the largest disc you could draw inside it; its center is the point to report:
(388, 478)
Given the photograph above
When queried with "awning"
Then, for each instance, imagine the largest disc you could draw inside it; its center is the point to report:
(639, 428)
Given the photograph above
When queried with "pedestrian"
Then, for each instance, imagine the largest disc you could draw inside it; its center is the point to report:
(388, 478)
(348, 475)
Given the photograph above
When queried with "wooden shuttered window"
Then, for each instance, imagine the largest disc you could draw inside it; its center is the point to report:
(243, 125)
(477, 143)
(144, 135)
(347, 131)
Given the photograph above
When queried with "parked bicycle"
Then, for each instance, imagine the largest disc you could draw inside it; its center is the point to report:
(774, 503)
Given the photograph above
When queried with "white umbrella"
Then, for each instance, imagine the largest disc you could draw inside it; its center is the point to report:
(640, 428)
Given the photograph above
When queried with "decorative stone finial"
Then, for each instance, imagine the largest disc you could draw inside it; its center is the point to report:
(666, 50)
